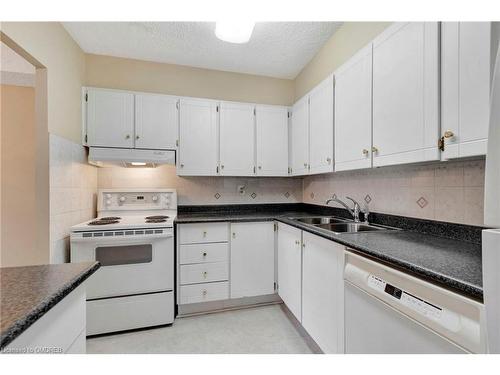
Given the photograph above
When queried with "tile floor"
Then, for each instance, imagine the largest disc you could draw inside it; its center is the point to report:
(259, 330)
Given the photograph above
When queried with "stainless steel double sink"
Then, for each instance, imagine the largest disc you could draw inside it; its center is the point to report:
(338, 225)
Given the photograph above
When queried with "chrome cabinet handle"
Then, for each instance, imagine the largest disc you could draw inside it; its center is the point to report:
(127, 136)
(137, 137)
(365, 151)
(260, 166)
(204, 233)
(204, 292)
(204, 254)
(329, 160)
(449, 134)
(305, 165)
(374, 149)
(222, 166)
(234, 235)
(205, 273)
(182, 165)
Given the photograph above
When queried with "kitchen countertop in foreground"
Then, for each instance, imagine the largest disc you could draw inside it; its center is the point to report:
(27, 293)
(451, 263)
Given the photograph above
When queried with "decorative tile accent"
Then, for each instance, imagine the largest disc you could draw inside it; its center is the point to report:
(217, 195)
(422, 202)
(312, 195)
(287, 194)
(368, 199)
(253, 195)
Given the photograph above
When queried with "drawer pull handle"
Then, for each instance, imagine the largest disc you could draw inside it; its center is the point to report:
(205, 273)
(204, 254)
(234, 235)
(205, 292)
(204, 233)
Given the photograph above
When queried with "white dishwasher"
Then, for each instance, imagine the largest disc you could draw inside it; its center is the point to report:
(388, 311)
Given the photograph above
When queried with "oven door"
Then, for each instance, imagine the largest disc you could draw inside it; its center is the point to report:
(130, 265)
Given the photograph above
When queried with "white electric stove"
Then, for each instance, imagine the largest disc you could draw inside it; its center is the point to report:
(133, 239)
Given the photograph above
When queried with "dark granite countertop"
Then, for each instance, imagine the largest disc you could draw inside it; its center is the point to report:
(27, 293)
(454, 263)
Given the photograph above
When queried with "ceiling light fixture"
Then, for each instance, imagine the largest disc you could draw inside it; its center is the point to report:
(234, 31)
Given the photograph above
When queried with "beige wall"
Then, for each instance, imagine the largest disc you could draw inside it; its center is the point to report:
(18, 165)
(51, 45)
(136, 75)
(349, 39)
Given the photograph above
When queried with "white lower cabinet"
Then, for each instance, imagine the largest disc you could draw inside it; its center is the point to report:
(322, 292)
(223, 261)
(310, 283)
(252, 259)
(61, 330)
(204, 292)
(290, 268)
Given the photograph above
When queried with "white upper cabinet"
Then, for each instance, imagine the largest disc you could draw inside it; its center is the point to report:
(272, 140)
(299, 160)
(405, 94)
(237, 139)
(156, 121)
(321, 127)
(290, 268)
(353, 112)
(252, 259)
(110, 118)
(465, 87)
(198, 144)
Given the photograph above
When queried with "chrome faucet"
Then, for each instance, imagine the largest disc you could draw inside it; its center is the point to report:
(353, 211)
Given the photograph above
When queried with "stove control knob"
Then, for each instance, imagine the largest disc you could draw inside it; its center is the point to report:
(122, 199)
(155, 198)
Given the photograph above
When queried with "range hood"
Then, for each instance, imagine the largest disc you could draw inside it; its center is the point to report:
(130, 157)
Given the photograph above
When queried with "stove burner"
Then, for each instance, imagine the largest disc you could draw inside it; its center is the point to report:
(110, 218)
(158, 217)
(103, 222)
(156, 220)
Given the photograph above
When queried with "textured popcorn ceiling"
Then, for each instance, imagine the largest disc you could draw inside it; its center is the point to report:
(276, 49)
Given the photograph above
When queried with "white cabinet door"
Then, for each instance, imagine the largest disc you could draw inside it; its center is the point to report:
(321, 127)
(272, 140)
(252, 259)
(156, 121)
(110, 118)
(353, 112)
(322, 292)
(197, 138)
(299, 160)
(290, 268)
(405, 94)
(237, 139)
(465, 87)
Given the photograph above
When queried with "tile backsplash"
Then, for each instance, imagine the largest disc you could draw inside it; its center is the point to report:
(73, 187)
(204, 190)
(451, 191)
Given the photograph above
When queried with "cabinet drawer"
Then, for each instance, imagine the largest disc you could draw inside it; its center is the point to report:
(203, 253)
(203, 273)
(202, 233)
(204, 292)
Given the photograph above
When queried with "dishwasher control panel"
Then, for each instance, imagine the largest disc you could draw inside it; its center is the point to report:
(409, 300)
